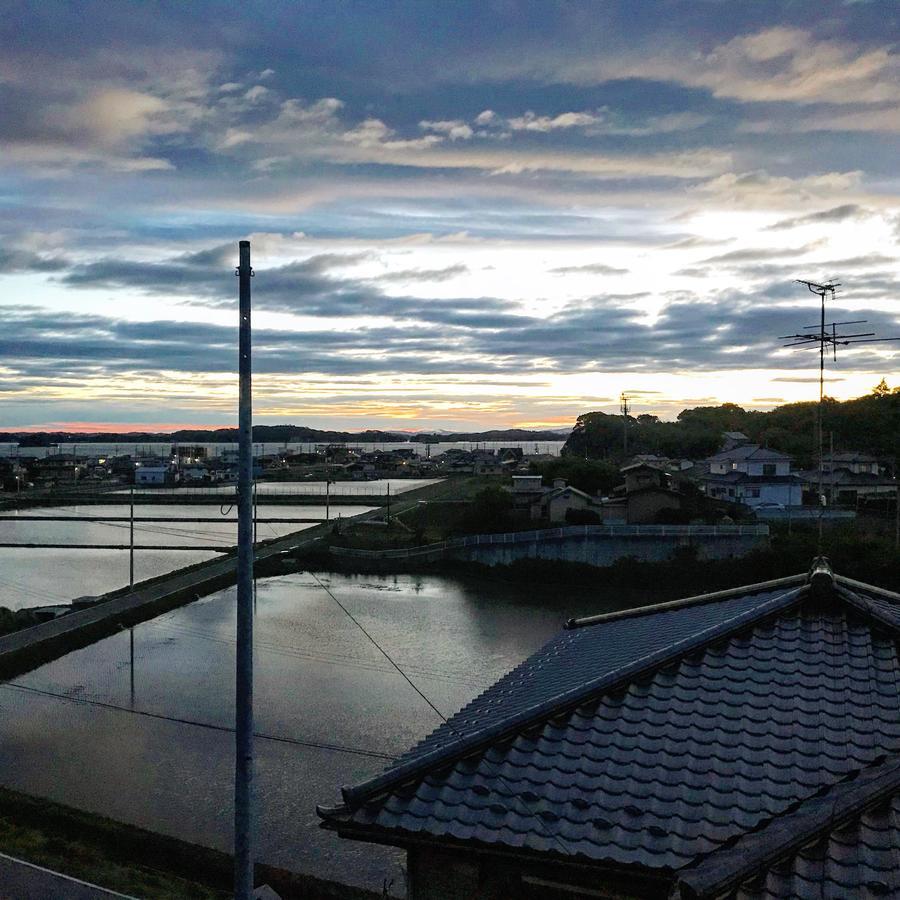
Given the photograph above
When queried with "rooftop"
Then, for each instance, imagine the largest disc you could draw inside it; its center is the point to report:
(675, 740)
(748, 452)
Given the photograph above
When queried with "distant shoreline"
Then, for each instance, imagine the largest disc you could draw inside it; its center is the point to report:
(274, 434)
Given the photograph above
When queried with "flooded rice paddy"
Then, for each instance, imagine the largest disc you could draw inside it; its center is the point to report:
(330, 710)
(36, 577)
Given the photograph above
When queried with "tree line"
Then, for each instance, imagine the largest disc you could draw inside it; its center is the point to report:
(868, 424)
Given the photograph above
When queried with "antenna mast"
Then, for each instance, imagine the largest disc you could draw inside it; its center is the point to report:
(623, 408)
(823, 335)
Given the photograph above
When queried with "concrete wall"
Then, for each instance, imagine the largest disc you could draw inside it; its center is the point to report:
(594, 545)
(605, 549)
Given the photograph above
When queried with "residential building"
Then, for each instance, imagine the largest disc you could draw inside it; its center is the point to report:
(153, 475)
(851, 461)
(751, 459)
(752, 475)
(739, 744)
(555, 504)
(732, 439)
(646, 493)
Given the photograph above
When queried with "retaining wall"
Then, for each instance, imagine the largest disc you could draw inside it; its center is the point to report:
(594, 545)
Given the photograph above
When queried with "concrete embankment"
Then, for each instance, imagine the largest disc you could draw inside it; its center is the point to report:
(593, 545)
(23, 650)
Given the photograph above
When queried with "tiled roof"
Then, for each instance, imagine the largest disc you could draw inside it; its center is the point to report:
(735, 477)
(748, 451)
(842, 842)
(655, 739)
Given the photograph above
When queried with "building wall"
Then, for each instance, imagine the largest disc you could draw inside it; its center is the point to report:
(644, 507)
(150, 476)
(559, 506)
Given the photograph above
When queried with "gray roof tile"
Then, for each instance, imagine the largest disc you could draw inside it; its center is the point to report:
(685, 758)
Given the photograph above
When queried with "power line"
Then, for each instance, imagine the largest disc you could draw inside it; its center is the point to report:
(316, 745)
(511, 793)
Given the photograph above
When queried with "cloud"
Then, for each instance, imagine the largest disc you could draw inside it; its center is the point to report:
(13, 260)
(757, 254)
(590, 269)
(455, 129)
(777, 64)
(532, 122)
(421, 275)
(760, 188)
(842, 213)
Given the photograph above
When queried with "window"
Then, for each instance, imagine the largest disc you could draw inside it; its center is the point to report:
(752, 492)
(768, 468)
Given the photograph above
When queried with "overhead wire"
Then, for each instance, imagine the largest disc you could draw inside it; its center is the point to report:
(511, 793)
(211, 726)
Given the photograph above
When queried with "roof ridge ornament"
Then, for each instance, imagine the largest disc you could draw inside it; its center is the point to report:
(821, 578)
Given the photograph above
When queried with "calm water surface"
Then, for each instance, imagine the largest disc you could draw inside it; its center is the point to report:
(328, 705)
(34, 577)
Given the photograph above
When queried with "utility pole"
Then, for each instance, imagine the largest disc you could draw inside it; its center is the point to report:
(131, 544)
(820, 335)
(327, 486)
(243, 758)
(131, 588)
(624, 410)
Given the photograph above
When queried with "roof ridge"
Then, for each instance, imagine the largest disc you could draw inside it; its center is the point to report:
(466, 744)
(853, 583)
(866, 606)
(784, 834)
(696, 600)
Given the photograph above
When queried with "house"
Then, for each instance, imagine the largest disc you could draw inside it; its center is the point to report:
(751, 459)
(645, 494)
(754, 490)
(851, 461)
(152, 475)
(846, 487)
(737, 744)
(554, 504)
(752, 475)
(732, 439)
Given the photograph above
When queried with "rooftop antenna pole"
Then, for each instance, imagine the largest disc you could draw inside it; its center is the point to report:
(624, 410)
(826, 335)
(243, 758)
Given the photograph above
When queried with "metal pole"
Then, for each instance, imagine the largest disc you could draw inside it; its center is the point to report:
(243, 761)
(131, 544)
(821, 421)
(896, 514)
(131, 645)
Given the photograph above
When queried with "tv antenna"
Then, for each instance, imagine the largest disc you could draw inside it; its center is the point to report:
(825, 335)
(623, 408)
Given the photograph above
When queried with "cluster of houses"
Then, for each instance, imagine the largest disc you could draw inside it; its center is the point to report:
(743, 475)
(646, 495)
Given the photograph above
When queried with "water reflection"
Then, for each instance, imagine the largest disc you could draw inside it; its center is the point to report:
(329, 705)
(35, 577)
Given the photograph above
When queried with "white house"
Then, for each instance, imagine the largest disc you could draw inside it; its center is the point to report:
(751, 459)
(151, 474)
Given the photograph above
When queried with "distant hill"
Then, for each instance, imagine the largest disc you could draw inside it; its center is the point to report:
(268, 434)
(516, 435)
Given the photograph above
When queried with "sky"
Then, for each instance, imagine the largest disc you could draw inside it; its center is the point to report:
(462, 215)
